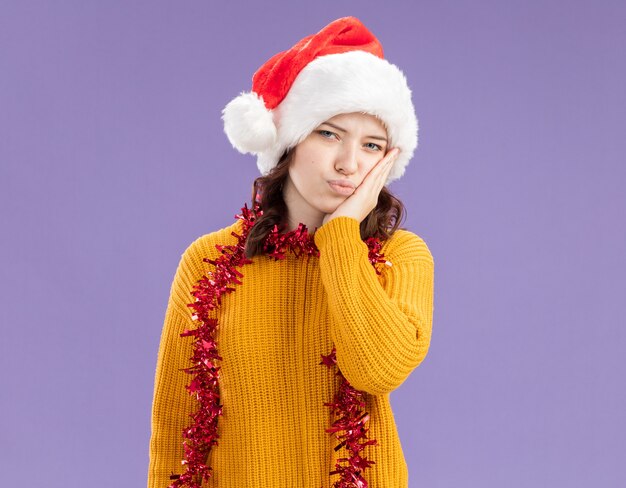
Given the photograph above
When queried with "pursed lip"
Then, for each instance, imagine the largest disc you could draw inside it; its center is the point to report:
(344, 183)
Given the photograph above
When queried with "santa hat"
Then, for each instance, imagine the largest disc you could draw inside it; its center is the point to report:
(340, 69)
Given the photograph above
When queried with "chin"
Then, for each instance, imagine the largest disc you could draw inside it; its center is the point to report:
(325, 204)
(328, 207)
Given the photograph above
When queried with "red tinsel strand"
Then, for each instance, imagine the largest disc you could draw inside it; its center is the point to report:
(375, 256)
(202, 434)
(298, 241)
(350, 427)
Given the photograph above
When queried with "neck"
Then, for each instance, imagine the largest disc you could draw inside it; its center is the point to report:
(300, 212)
(312, 222)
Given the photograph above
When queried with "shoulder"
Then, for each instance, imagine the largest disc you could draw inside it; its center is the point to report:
(193, 265)
(404, 245)
(205, 245)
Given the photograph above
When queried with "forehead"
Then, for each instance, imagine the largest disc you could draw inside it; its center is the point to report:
(361, 119)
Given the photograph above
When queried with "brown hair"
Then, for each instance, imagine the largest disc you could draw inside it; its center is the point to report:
(267, 191)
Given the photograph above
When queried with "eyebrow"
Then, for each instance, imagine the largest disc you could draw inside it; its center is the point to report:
(379, 138)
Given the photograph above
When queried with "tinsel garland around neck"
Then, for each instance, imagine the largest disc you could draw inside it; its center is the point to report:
(349, 428)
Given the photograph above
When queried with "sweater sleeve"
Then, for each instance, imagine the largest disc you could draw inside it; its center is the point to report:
(172, 405)
(381, 325)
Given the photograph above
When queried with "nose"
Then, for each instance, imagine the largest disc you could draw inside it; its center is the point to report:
(347, 158)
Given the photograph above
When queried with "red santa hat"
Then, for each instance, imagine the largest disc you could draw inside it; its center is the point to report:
(340, 69)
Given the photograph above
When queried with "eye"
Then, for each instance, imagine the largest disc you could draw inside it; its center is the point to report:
(326, 133)
(375, 146)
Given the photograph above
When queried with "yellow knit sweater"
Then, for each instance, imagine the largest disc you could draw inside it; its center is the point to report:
(272, 331)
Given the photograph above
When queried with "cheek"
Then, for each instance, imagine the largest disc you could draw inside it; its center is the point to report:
(302, 180)
(305, 170)
(301, 173)
(366, 168)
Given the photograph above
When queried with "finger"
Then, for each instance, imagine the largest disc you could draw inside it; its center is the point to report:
(389, 163)
(386, 162)
(381, 177)
(393, 154)
(389, 157)
(378, 174)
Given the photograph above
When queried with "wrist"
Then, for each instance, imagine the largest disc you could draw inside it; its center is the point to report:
(335, 215)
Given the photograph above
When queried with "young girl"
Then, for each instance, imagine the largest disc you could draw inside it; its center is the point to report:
(286, 332)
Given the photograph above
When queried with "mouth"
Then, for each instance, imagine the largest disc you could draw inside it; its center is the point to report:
(342, 187)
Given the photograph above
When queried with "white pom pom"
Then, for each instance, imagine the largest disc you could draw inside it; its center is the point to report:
(248, 124)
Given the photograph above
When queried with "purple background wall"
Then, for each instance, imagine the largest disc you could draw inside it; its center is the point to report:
(113, 160)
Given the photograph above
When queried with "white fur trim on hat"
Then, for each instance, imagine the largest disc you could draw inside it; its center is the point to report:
(354, 81)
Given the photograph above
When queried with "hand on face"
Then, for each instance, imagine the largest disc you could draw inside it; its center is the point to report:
(365, 197)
